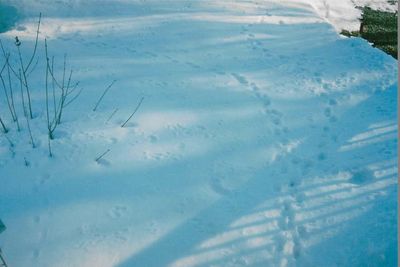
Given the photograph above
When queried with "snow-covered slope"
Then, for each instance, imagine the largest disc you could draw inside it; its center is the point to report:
(264, 139)
(344, 14)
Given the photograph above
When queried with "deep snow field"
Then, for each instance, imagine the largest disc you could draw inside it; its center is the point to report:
(264, 139)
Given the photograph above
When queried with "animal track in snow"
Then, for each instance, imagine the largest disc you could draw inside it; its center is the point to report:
(361, 176)
(153, 139)
(36, 253)
(273, 115)
(217, 185)
(36, 219)
(291, 234)
(241, 79)
(193, 65)
(153, 228)
(158, 156)
(219, 182)
(118, 212)
(41, 181)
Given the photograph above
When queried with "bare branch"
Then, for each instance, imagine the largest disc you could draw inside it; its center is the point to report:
(136, 109)
(109, 118)
(35, 48)
(101, 97)
(102, 155)
(74, 98)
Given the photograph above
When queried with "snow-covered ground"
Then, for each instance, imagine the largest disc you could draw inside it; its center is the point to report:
(344, 14)
(264, 139)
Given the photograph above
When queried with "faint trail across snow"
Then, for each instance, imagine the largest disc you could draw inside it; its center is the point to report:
(266, 139)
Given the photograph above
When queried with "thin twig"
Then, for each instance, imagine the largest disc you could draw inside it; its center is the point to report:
(25, 113)
(8, 62)
(36, 43)
(54, 78)
(73, 99)
(5, 130)
(10, 100)
(105, 91)
(72, 89)
(12, 96)
(51, 126)
(59, 102)
(47, 95)
(109, 118)
(7, 98)
(63, 97)
(33, 68)
(3, 261)
(52, 83)
(136, 109)
(9, 140)
(102, 155)
(5, 63)
(17, 43)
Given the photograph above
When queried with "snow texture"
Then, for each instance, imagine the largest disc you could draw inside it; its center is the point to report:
(264, 139)
(345, 14)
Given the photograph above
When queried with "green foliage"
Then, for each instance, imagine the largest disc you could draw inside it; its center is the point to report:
(380, 28)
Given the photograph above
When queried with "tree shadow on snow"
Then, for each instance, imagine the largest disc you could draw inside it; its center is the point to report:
(8, 17)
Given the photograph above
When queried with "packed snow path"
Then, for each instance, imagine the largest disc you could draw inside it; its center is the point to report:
(264, 139)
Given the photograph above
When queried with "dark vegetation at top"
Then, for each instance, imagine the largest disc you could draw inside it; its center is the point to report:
(379, 28)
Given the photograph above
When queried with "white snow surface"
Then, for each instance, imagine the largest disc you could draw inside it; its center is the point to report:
(264, 138)
(344, 14)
